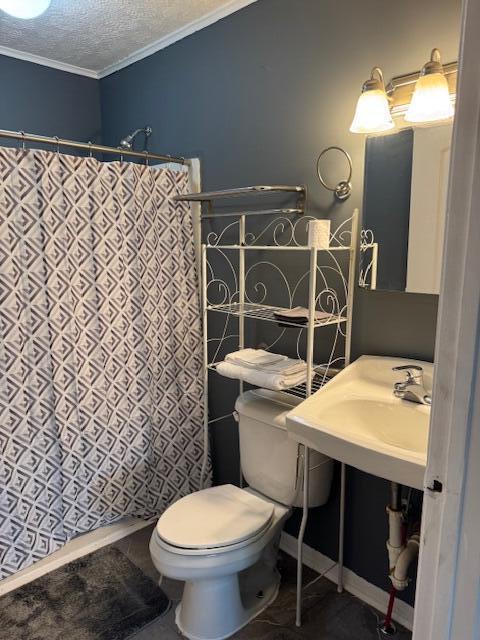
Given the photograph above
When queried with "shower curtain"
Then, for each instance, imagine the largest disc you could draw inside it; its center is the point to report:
(100, 348)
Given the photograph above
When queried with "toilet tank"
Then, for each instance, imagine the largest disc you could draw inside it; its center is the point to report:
(269, 458)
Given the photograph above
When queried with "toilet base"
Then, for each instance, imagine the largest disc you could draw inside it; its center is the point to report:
(217, 608)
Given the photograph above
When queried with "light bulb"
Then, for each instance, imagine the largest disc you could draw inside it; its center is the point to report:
(372, 114)
(431, 98)
(24, 9)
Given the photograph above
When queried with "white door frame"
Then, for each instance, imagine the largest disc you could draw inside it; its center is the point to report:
(448, 589)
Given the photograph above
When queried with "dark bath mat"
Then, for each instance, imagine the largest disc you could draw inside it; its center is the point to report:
(102, 596)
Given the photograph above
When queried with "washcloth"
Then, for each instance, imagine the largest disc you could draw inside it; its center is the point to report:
(266, 361)
(254, 357)
(300, 315)
(285, 367)
(261, 378)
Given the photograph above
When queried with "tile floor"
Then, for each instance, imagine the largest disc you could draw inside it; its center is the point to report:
(327, 615)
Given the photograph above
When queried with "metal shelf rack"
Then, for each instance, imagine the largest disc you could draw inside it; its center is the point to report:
(267, 313)
(240, 191)
(300, 391)
(207, 197)
(280, 234)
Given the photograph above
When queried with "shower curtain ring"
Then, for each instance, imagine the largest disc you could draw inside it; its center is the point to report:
(57, 139)
(90, 153)
(147, 157)
(22, 133)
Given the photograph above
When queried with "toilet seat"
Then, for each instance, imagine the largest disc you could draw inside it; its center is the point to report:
(214, 520)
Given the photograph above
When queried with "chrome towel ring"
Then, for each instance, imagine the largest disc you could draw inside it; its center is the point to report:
(343, 189)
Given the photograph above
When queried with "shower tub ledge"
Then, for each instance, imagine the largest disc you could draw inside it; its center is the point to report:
(74, 549)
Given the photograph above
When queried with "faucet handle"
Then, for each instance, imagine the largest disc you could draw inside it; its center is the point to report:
(414, 372)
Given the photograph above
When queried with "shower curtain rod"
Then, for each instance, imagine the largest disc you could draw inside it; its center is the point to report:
(88, 146)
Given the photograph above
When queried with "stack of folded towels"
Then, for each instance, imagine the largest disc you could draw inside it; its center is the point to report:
(264, 369)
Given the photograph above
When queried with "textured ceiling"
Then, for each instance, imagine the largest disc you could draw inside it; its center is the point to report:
(95, 34)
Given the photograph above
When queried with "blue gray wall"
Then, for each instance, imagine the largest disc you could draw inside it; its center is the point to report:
(256, 96)
(46, 101)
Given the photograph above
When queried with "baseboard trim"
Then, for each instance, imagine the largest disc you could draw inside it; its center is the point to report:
(74, 549)
(357, 586)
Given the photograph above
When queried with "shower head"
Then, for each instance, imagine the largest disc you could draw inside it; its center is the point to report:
(127, 142)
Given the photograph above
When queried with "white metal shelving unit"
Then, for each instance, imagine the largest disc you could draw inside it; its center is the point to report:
(234, 299)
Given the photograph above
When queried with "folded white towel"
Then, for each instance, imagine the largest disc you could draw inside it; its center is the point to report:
(260, 378)
(266, 361)
(254, 357)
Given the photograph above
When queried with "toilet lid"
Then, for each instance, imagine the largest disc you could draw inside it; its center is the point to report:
(215, 517)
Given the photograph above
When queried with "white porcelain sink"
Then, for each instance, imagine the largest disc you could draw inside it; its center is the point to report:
(356, 418)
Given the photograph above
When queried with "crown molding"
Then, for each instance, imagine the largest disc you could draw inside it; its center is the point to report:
(196, 25)
(48, 62)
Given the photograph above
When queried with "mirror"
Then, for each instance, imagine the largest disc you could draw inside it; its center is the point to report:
(405, 189)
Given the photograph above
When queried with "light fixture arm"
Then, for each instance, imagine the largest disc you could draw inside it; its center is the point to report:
(434, 65)
(375, 82)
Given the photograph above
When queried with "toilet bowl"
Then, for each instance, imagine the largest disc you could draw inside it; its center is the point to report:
(223, 541)
(230, 576)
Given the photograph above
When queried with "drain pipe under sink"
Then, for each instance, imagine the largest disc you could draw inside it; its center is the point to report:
(401, 553)
(400, 580)
(395, 542)
(399, 575)
(395, 546)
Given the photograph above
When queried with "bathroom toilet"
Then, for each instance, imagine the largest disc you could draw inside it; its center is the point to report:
(223, 541)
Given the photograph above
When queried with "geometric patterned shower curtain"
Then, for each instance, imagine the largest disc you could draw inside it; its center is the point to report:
(100, 348)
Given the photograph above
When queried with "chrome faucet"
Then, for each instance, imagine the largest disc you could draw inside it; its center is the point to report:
(412, 389)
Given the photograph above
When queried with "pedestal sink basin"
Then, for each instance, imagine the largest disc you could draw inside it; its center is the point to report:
(356, 419)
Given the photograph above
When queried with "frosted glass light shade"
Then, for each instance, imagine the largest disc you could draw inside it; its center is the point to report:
(24, 9)
(431, 100)
(372, 114)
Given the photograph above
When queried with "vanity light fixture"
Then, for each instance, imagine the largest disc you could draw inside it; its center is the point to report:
(419, 97)
(431, 97)
(372, 114)
(26, 10)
